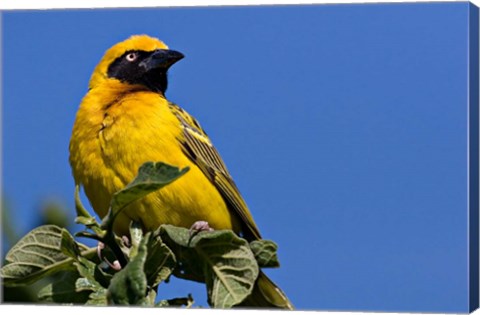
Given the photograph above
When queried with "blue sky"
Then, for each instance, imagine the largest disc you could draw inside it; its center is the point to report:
(344, 126)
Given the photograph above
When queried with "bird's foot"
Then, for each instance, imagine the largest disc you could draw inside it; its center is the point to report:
(126, 241)
(115, 265)
(200, 226)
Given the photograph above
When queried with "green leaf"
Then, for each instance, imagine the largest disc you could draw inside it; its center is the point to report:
(63, 290)
(36, 255)
(85, 221)
(229, 267)
(160, 261)
(136, 236)
(88, 270)
(84, 217)
(91, 281)
(98, 298)
(189, 263)
(85, 267)
(81, 210)
(150, 298)
(86, 284)
(151, 177)
(129, 286)
(68, 246)
(265, 252)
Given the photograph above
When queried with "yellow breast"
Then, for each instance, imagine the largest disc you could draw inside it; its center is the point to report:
(116, 132)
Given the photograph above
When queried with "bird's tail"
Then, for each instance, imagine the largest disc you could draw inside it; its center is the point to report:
(266, 294)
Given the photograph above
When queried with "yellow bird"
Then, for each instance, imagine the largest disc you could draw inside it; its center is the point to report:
(124, 121)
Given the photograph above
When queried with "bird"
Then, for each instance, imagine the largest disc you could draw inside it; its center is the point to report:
(125, 120)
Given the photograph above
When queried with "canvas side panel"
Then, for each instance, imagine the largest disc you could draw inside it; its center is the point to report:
(473, 157)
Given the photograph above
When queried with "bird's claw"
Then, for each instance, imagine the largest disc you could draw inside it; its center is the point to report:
(200, 226)
(115, 265)
(126, 241)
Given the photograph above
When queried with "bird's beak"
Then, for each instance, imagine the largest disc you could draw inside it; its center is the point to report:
(161, 59)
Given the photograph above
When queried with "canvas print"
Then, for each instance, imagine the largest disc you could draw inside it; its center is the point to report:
(296, 157)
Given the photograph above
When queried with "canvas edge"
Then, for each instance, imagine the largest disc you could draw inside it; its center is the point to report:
(473, 202)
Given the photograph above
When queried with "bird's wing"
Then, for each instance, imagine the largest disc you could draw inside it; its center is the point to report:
(198, 147)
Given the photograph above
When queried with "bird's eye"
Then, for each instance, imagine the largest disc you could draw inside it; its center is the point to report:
(131, 57)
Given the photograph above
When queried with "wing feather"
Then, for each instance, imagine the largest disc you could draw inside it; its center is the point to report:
(198, 147)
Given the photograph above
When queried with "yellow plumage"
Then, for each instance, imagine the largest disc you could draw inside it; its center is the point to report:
(109, 144)
(124, 121)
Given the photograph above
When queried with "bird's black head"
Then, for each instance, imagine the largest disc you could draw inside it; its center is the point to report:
(148, 68)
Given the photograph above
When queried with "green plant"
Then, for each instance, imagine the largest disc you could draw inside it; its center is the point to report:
(225, 262)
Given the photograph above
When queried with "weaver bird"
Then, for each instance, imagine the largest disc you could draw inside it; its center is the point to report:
(124, 121)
